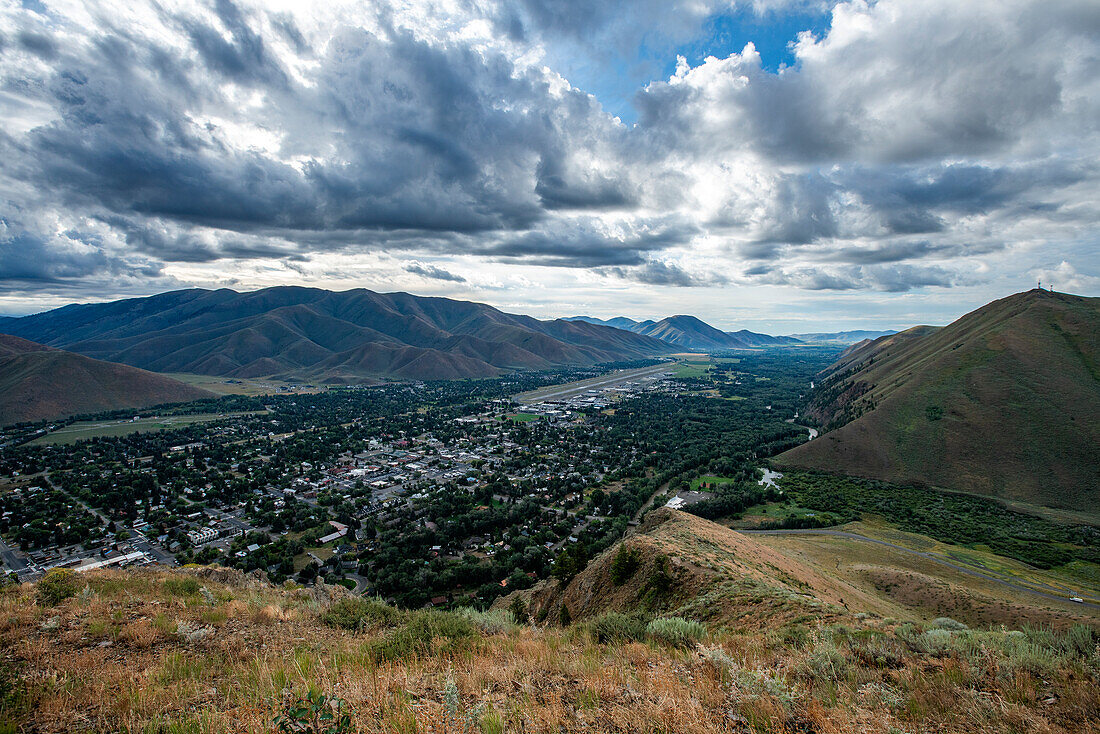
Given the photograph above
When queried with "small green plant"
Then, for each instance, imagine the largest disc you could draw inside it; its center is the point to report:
(416, 637)
(314, 713)
(624, 564)
(356, 613)
(56, 586)
(492, 722)
(676, 631)
(185, 586)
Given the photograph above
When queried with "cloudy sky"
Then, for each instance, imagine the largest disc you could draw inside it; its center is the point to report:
(782, 165)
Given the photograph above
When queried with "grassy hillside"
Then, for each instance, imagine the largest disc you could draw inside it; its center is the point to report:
(38, 383)
(210, 650)
(335, 337)
(1003, 402)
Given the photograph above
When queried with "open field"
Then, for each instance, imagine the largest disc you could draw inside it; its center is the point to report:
(523, 417)
(572, 389)
(123, 427)
(769, 512)
(244, 386)
(937, 588)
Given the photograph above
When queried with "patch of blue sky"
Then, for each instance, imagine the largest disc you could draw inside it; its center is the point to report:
(615, 76)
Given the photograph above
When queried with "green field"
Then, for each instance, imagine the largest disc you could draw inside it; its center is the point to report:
(244, 386)
(771, 511)
(523, 417)
(82, 430)
(695, 483)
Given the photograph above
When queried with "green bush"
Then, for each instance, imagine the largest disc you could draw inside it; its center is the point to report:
(676, 631)
(314, 713)
(933, 642)
(357, 613)
(57, 585)
(185, 586)
(624, 564)
(826, 662)
(417, 635)
(493, 621)
(882, 654)
(618, 628)
(946, 623)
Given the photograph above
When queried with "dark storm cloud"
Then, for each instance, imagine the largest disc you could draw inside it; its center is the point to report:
(887, 278)
(658, 272)
(228, 132)
(434, 272)
(244, 57)
(586, 245)
(39, 44)
(27, 258)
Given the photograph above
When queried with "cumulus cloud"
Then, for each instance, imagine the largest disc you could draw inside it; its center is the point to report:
(908, 144)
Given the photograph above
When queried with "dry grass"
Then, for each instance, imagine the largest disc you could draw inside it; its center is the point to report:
(131, 656)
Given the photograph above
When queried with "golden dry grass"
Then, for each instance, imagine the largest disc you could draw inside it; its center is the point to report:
(126, 655)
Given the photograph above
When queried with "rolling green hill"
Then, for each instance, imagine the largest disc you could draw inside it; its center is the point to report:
(39, 383)
(1004, 401)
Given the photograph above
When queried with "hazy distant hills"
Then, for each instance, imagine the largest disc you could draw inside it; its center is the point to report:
(37, 383)
(841, 337)
(688, 332)
(324, 335)
(1004, 401)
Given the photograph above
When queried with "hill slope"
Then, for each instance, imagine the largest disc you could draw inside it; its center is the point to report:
(38, 383)
(1004, 401)
(319, 334)
(213, 650)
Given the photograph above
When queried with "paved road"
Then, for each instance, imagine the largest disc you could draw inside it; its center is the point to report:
(572, 389)
(922, 554)
(12, 559)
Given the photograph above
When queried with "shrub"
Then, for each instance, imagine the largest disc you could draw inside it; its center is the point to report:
(57, 585)
(933, 642)
(877, 654)
(795, 636)
(493, 621)
(518, 608)
(676, 631)
(185, 586)
(826, 662)
(615, 627)
(624, 564)
(417, 635)
(946, 623)
(356, 613)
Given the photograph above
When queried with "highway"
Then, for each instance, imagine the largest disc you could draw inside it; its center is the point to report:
(929, 556)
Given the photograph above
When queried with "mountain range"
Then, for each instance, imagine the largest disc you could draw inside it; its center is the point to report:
(1005, 401)
(335, 337)
(38, 382)
(841, 337)
(689, 332)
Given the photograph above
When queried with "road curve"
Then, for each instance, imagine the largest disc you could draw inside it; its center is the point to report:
(922, 554)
